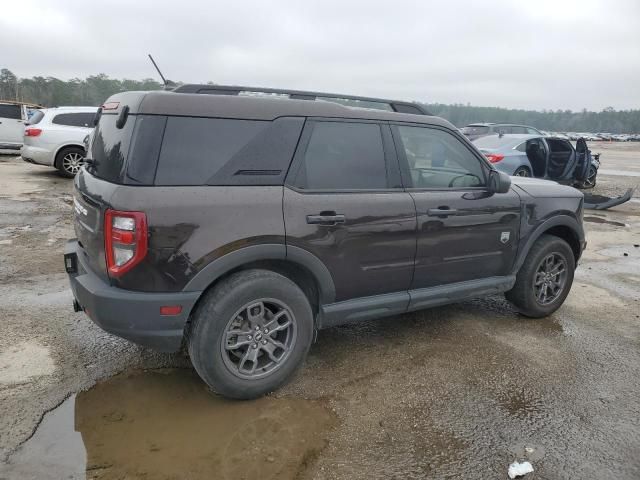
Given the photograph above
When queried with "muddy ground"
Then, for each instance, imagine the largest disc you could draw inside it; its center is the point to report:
(459, 391)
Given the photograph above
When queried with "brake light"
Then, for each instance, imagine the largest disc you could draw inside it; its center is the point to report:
(32, 132)
(494, 157)
(125, 240)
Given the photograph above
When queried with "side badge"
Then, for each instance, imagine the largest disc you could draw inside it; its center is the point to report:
(504, 237)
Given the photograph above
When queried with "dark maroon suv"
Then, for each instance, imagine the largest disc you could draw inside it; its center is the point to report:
(238, 226)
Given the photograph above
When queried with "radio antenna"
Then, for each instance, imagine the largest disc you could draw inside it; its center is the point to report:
(164, 80)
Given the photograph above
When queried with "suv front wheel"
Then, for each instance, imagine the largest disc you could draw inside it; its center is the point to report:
(545, 278)
(250, 334)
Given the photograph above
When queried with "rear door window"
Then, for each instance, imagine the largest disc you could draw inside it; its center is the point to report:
(79, 119)
(10, 111)
(343, 156)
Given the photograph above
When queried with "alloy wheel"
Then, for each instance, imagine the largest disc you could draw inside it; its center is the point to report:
(72, 163)
(258, 339)
(590, 181)
(550, 278)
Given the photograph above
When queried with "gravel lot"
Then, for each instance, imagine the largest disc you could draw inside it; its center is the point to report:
(459, 391)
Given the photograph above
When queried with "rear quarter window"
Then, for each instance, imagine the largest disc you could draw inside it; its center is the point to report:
(218, 151)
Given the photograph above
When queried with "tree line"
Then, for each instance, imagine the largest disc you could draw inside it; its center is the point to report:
(93, 90)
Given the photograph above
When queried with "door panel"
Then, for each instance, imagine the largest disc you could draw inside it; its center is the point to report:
(464, 232)
(369, 248)
(344, 203)
(480, 240)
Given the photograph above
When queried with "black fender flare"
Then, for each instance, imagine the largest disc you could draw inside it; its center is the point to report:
(222, 265)
(556, 221)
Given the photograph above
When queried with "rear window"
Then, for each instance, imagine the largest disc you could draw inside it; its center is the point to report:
(496, 141)
(35, 117)
(109, 148)
(79, 119)
(475, 130)
(10, 111)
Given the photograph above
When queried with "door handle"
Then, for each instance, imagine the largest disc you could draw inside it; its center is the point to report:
(441, 212)
(328, 219)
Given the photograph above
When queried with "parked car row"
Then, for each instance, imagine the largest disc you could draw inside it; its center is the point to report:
(46, 136)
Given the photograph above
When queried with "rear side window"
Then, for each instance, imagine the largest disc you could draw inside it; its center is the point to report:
(195, 149)
(80, 119)
(343, 156)
(10, 111)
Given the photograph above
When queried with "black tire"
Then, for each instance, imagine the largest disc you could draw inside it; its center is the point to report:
(67, 161)
(231, 301)
(522, 172)
(523, 294)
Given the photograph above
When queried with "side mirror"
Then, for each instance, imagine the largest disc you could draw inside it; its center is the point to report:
(498, 182)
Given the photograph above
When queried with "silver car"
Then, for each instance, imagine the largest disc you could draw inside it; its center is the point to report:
(54, 137)
(539, 156)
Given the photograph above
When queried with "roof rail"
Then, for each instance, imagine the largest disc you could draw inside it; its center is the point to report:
(27, 104)
(348, 100)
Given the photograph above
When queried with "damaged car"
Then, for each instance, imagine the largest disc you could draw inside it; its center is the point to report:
(552, 158)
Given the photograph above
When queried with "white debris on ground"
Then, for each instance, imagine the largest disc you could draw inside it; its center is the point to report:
(517, 469)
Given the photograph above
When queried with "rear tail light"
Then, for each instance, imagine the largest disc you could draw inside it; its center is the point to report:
(125, 240)
(494, 157)
(32, 132)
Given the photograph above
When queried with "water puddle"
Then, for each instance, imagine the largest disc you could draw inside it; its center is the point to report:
(166, 425)
(604, 221)
(521, 404)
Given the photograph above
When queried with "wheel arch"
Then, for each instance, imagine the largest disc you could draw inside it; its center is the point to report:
(300, 266)
(565, 227)
(61, 148)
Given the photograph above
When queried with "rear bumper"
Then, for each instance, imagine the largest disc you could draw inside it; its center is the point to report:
(125, 313)
(41, 156)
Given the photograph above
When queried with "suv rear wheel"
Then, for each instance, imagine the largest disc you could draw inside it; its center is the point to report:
(69, 161)
(545, 278)
(250, 334)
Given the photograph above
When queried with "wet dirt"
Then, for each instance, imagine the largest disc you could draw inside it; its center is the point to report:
(454, 392)
(165, 424)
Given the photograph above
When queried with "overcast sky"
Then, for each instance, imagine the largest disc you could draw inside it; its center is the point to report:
(520, 54)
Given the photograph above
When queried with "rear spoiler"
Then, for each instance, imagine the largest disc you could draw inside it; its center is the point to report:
(600, 202)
